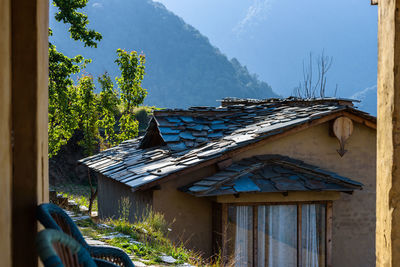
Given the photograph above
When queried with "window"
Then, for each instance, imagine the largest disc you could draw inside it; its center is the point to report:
(274, 235)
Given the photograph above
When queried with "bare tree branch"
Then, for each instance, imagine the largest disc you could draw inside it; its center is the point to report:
(309, 88)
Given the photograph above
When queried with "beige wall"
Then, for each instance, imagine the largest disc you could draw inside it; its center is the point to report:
(192, 216)
(353, 215)
(5, 134)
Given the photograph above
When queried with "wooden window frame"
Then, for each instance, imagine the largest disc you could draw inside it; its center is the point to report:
(328, 227)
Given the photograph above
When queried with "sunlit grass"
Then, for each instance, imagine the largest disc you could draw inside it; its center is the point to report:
(79, 193)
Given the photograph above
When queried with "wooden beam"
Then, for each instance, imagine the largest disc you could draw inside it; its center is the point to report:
(360, 120)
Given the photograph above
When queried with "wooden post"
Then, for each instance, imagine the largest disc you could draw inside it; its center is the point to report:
(328, 234)
(388, 135)
(224, 253)
(5, 133)
(29, 102)
(255, 236)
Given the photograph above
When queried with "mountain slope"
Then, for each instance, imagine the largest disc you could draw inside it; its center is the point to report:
(183, 68)
(368, 99)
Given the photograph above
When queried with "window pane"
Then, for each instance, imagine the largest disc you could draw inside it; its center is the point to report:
(277, 236)
(313, 235)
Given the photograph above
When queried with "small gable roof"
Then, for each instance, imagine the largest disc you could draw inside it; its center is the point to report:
(270, 173)
(179, 140)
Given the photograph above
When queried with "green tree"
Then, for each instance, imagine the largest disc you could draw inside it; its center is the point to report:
(132, 69)
(88, 114)
(63, 114)
(88, 106)
(108, 109)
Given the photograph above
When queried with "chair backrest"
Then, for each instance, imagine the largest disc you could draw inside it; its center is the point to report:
(53, 217)
(57, 249)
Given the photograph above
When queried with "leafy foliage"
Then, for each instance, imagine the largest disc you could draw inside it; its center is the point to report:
(108, 109)
(72, 106)
(131, 66)
(62, 98)
(63, 111)
(88, 114)
(78, 21)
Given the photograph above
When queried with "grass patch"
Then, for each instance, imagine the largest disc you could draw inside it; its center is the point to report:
(79, 193)
(152, 233)
(150, 237)
(146, 239)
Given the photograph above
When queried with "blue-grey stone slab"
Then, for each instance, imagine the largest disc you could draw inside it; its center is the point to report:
(219, 126)
(171, 137)
(186, 119)
(197, 127)
(286, 184)
(177, 146)
(217, 121)
(173, 119)
(200, 134)
(237, 168)
(215, 135)
(201, 140)
(197, 188)
(206, 183)
(187, 136)
(168, 130)
(245, 184)
(265, 185)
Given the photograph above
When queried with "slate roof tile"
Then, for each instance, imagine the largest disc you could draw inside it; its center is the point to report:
(201, 133)
(271, 173)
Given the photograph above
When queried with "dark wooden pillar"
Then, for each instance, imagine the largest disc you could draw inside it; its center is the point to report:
(29, 101)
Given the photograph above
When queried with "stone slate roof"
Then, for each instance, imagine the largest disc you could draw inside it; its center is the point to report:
(270, 173)
(179, 139)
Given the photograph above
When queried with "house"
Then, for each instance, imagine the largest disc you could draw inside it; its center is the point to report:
(285, 182)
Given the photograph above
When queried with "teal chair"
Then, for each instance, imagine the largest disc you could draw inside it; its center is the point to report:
(53, 217)
(57, 249)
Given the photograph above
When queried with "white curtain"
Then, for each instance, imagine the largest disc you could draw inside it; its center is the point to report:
(244, 233)
(277, 236)
(313, 232)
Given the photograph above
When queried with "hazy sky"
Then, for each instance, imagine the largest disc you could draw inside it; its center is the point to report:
(272, 37)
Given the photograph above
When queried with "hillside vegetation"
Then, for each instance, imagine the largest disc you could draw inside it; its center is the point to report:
(182, 68)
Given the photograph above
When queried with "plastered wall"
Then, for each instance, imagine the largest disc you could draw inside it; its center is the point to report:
(191, 216)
